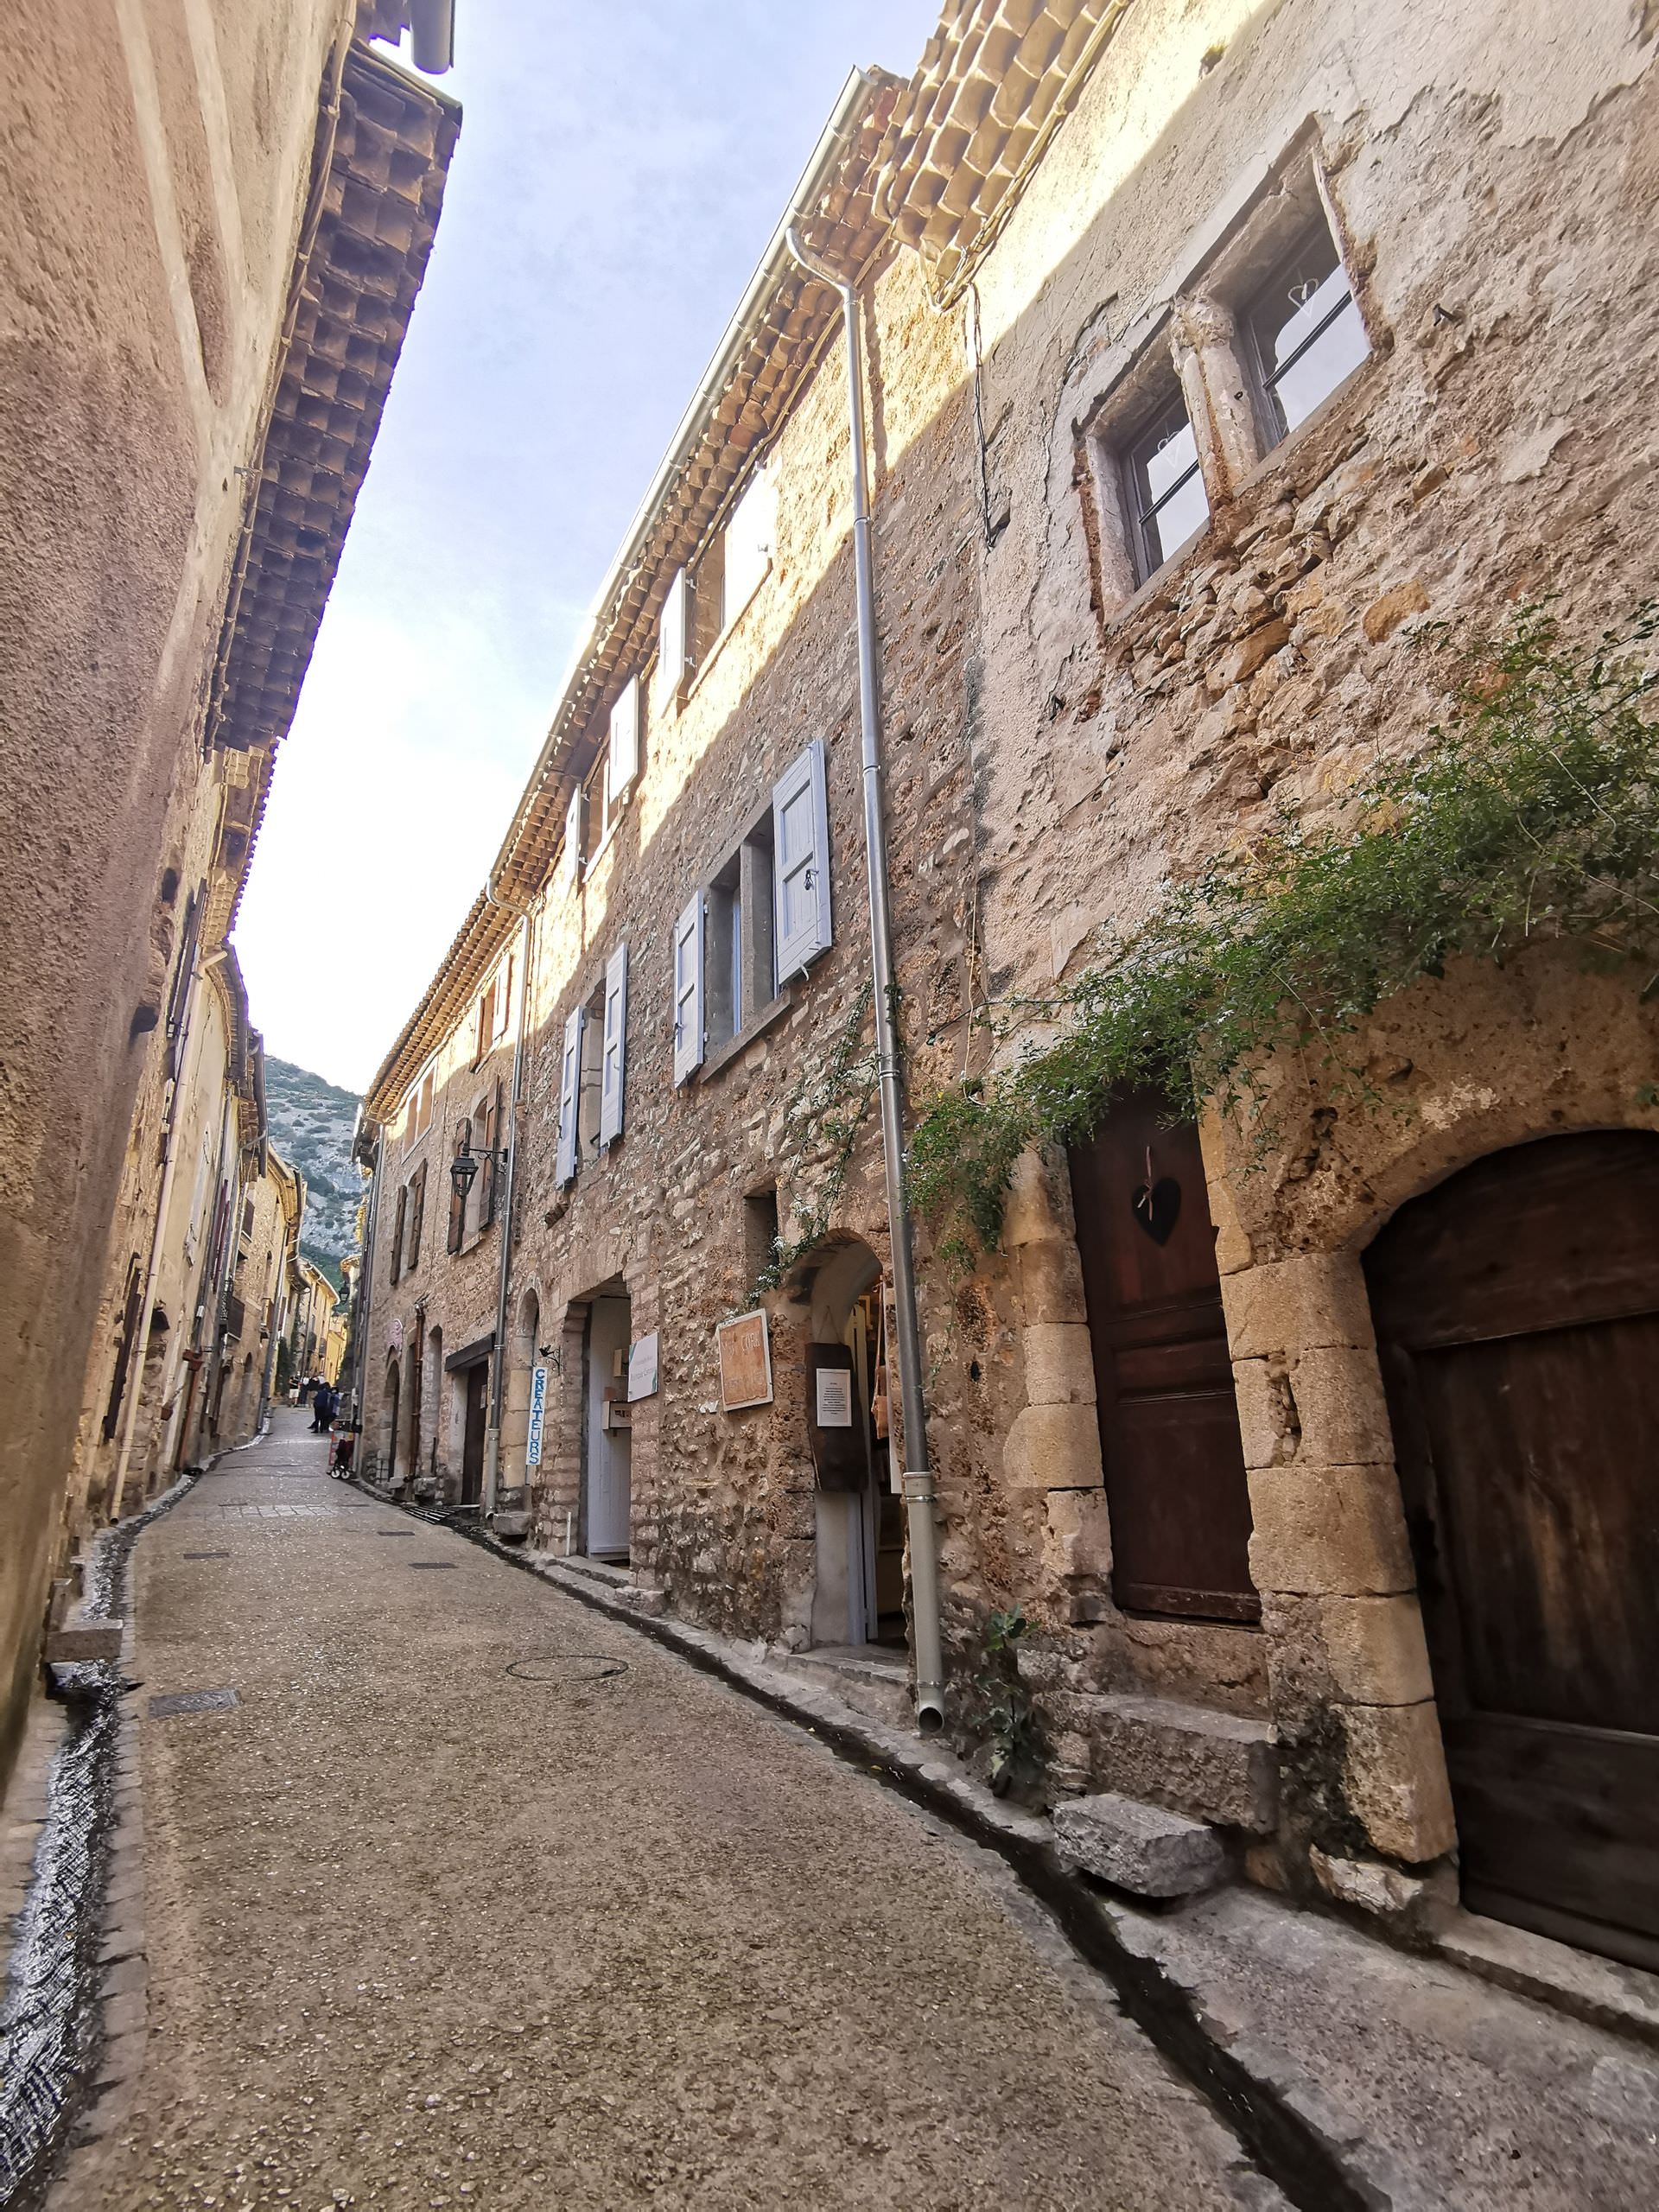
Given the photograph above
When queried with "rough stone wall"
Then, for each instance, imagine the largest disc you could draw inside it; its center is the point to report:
(143, 277)
(454, 1293)
(723, 1504)
(1494, 189)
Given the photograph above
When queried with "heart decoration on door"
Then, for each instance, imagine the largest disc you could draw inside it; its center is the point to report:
(1157, 1208)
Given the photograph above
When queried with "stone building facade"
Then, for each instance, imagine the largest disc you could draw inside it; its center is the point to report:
(220, 217)
(1212, 350)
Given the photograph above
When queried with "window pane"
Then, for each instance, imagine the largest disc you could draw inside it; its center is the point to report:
(1334, 354)
(1182, 512)
(1299, 367)
(1168, 454)
(1167, 488)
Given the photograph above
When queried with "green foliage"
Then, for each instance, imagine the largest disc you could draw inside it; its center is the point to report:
(1532, 811)
(284, 1364)
(1003, 1715)
(827, 1114)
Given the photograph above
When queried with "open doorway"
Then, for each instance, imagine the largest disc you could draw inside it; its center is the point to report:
(474, 1431)
(606, 1469)
(859, 1590)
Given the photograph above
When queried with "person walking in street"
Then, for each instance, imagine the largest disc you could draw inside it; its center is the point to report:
(322, 1406)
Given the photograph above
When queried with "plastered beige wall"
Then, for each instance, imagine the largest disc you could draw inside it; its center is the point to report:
(156, 154)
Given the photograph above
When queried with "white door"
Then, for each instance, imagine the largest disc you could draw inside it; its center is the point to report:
(608, 1442)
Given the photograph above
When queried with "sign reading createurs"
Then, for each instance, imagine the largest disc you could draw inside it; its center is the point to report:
(538, 1415)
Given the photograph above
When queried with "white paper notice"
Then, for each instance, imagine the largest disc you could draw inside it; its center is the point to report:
(642, 1368)
(835, 1397)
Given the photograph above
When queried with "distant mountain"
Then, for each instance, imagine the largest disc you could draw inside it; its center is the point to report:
(311, 1125)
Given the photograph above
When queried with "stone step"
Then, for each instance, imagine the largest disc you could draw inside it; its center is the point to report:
(878, 1685)
(1190, 1758)
(1140, 1847)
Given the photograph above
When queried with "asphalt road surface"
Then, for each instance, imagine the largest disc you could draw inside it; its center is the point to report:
(434, 1917)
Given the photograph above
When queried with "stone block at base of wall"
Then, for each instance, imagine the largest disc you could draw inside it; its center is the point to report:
(1140, 1847)
(1208, 1765)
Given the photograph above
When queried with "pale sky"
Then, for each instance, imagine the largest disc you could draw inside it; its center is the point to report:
(619, 173)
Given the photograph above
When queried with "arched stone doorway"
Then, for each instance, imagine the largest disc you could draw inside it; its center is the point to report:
(389, 1396)
(858, 1586)
(1516, 1306)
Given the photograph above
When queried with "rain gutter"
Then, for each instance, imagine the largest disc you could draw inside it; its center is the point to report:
(917, 1479)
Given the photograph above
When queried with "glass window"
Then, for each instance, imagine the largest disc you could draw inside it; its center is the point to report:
(1305, 332)
(1166, 497)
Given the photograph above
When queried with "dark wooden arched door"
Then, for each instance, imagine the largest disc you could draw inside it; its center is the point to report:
(1517, 1315)
(1169, 1437)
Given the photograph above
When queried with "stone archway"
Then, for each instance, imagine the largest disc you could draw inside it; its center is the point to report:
(1518, 1313)
(390, 1392)
(1454, 1071)
(857, 1597)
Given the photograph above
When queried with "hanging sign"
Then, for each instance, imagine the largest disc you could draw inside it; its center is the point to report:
(745, 1353)
(538, 1415)
(835, 1397)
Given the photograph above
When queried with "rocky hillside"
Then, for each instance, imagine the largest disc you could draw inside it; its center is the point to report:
(311, 1125)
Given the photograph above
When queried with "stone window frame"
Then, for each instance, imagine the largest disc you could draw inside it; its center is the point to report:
(1189, 343)
(706, 636)
(747, 869)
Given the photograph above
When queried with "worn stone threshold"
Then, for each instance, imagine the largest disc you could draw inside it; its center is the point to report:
(1622, 2000)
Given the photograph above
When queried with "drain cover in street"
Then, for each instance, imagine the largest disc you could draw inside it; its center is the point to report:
(163, 1708)
(394, 1532)
(432, 1562)
(207, 1555)
(568, 1666)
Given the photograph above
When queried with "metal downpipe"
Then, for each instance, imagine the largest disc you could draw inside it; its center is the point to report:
(504, 1279)
(920, 1498)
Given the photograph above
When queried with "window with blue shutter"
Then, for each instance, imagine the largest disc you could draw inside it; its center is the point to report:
(689, 1024)
(674, 638)
(800, 829)
(613, 1060)
(622, 763)
(570, 1093)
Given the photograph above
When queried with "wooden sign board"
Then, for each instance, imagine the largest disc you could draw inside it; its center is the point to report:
(745, 1350)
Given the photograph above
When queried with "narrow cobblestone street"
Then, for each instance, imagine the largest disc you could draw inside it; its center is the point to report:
(434, 1919)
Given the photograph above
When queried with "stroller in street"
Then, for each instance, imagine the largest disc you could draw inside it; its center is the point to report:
(342, 1443)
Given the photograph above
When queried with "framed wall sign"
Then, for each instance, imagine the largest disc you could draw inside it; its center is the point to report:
(745, 1350)
(642, 1368)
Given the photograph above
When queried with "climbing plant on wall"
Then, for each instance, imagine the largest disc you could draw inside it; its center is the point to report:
(1532, 810)
(826, 1110)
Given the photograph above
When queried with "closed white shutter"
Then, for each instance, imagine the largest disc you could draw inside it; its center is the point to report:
(613, 1064)
(800, 831)
(622, 765)
(570, 860)
(569, 1090)
(688, 991)
(674, 637)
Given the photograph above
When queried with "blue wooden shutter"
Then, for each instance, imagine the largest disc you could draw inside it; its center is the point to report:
(569, 1091)
(800, 829)
(622, 765)
(614, 1063)
(688, 991)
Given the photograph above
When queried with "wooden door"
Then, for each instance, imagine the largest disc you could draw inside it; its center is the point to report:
(473, 1437)
(1517, 1315)
(1169, 1437)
